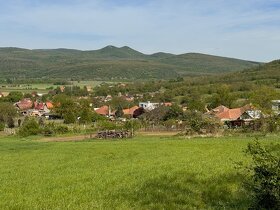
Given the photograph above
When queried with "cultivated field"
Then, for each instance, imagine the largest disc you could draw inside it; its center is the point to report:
(149, 172)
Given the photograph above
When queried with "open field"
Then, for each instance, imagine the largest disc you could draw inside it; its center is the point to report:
(143, 173)
(42, 87)
(26, 88)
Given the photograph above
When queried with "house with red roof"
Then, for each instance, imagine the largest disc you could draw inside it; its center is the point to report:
(24, 104)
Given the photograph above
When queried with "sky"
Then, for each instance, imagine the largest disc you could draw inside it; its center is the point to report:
(245, 29)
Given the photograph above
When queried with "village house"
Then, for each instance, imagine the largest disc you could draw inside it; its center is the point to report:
(133, 112)
(108, 98)
(62, 88)
(89, 88)
(43, 107)
(148, 105)
(236, 117)
(122, 85)
(27, 108)
(276, 106)
(105, 111)
(24, 104)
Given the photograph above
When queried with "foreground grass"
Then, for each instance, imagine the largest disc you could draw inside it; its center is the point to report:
(144, 173)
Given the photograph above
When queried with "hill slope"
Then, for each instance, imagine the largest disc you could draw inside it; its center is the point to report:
(110, 63)
(264, 74)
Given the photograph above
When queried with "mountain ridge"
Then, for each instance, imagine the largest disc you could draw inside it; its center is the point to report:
(111, 62)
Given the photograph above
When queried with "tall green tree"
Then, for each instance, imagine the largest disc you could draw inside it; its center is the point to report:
(7, 110)
(67, 108)
(262, 98)
(14, 96)
(223, 96)
(85, 113)
(119, 112)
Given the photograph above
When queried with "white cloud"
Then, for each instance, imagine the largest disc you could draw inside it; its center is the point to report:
(243, 29)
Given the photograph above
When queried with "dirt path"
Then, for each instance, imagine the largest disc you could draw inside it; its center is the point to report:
(67, 138)
(88, 136)
(158, 133)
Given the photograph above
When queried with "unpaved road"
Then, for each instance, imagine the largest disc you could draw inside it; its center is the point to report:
(88, 136)
(66, 138)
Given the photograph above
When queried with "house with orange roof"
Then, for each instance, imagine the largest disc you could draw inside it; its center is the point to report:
(133, 112)
(236, 117)
(49, 105)
(105, 111)
(167, 104)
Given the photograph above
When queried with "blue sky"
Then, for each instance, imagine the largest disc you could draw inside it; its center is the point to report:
(247, 29)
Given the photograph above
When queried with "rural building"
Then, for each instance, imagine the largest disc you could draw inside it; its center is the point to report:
(108, 98)
(236, 117)
(24, 104)
(105, 111)
(42, 107)
(276, 106)
(133, 112)
(49, 105)
(148, 105)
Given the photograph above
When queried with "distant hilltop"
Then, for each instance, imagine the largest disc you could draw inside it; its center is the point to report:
(111, 63)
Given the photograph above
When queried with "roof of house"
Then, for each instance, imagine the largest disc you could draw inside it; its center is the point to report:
(219, 109)
(104, 110)
(24, 104)
(38, 106)
(49, 105)
(167, 104)
(230, 114)
(224, 113)
(130, 111)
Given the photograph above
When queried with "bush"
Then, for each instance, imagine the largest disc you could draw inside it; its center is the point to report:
(10, 122)
(199, 123)
(61, 129)
(2, 126)
(29, 127)
(132, 125)
(52, 129)
(264, 173)
(47, 131)
(107, 125)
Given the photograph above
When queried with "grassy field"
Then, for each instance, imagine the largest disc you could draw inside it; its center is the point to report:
(143, 173)
(42, 87)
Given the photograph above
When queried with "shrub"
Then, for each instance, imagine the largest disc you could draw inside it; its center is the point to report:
(132, 125)
(107, 125)
(10, 122)
(52, 128)
(2, 126)
(47, 131)
(264, 173)
(61, 129)
(30, 127)
(199, 123)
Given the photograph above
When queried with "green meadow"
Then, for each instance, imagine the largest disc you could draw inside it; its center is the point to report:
(142, 173)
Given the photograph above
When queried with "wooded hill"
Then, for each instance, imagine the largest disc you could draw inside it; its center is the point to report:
(111, 63)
